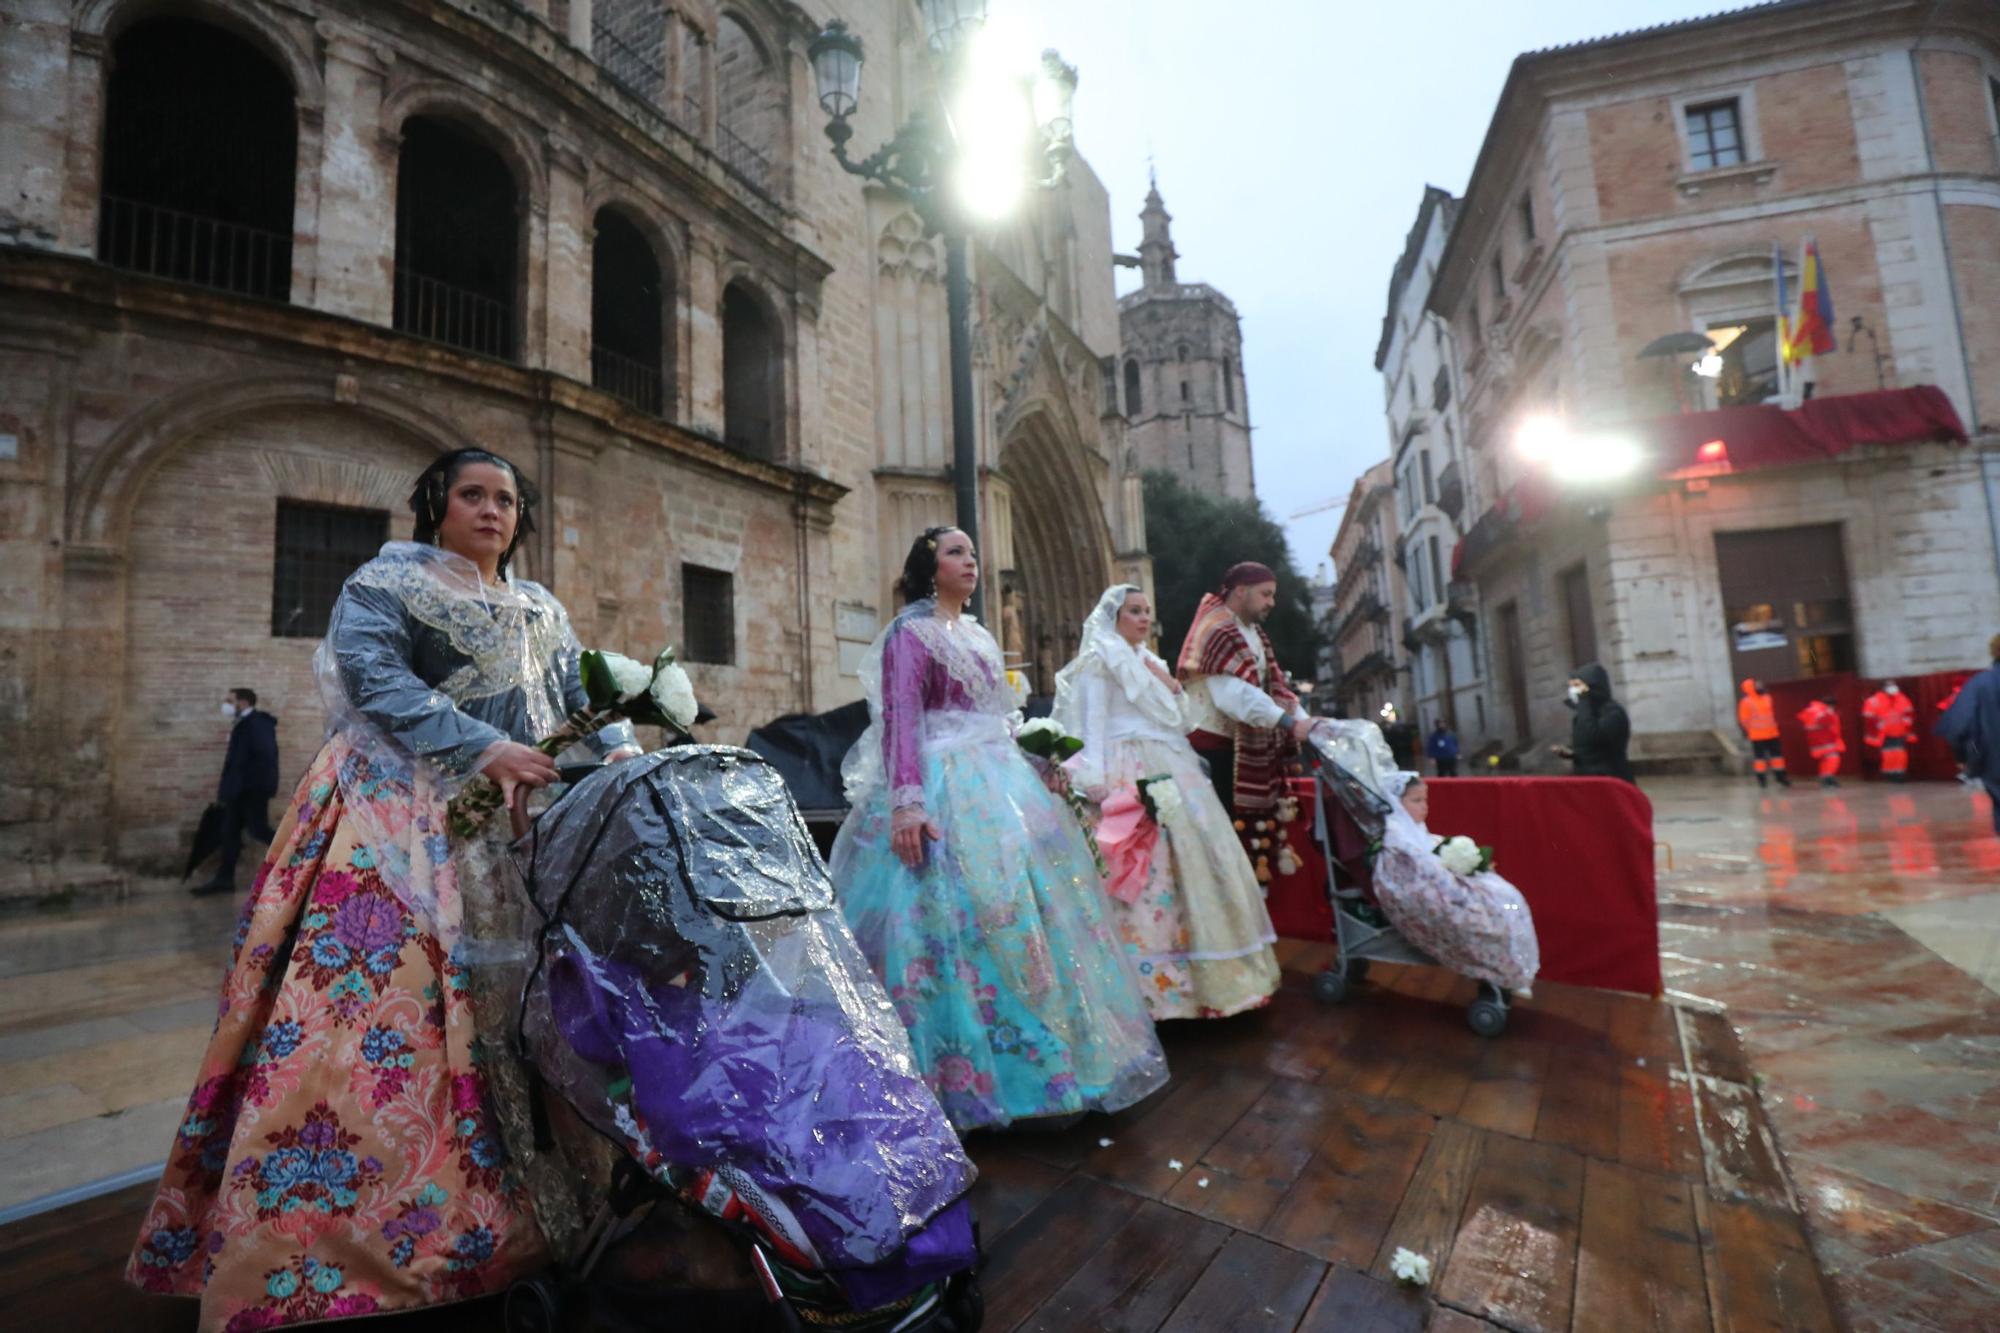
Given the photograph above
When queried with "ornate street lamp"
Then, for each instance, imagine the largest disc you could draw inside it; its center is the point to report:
(967, 157)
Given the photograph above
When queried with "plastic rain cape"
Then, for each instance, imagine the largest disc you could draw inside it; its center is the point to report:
(404, 747)
(698, 998)
(965, 650)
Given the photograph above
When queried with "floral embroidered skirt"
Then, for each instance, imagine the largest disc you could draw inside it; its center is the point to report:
(1198, 934)
(1478, 926)
(338, 1156)
(999, 954)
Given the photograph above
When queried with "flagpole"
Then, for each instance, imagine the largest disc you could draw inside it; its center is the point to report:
(1778, 283)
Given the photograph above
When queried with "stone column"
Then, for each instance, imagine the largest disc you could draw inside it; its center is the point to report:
(570, 235)
(579, 24)
(354, 266)
(83, 155)
(704, 287)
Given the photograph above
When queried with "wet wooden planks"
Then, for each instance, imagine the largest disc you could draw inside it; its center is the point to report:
(1554, 1178)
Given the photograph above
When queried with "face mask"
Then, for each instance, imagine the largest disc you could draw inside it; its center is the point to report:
(1574, 695)
(1893, 689)
(229, 711)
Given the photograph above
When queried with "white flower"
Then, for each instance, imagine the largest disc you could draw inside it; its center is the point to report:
(628, 677)
(1414, 1269)
(1041, 726)
(1104, 1143)
(1460, 856)
(1167, 799)
(1173, 1164)
(674, 693)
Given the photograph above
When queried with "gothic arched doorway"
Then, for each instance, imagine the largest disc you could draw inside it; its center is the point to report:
(1061, 544)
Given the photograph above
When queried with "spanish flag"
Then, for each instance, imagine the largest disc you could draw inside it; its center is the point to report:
(1809, 332)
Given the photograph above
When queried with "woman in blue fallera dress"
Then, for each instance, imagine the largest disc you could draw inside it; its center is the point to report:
(969, 883)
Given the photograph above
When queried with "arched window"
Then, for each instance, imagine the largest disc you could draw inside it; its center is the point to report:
(1228, 384)
(1132, 401)
(458, 225)
(1181, 353)
(628, 39)
(752, 375)
(200, 159)
(749, 105)
(628, 313)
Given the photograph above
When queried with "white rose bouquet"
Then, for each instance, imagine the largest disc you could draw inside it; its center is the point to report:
(1162, 799)
(1462, 856)
(619, 689)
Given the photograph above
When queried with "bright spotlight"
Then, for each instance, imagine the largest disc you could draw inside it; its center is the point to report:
(1572, 456)
(1709, 366)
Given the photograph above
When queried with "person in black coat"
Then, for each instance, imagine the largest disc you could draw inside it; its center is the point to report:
(1599, 732)
(249, 781)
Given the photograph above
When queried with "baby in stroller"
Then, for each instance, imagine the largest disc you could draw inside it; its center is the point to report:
(1395, 899)
(1476, 924)
(693, 997)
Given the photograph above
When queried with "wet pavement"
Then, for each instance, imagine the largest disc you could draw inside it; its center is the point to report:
(1845, 945)
(1854, 938)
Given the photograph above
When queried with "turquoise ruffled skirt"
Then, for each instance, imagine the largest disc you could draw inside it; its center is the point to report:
(999, 953)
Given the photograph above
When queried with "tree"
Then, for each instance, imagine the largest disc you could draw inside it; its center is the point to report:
(1193, 538)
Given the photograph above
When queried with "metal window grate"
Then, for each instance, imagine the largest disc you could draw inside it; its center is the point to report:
(1715, 136)
(708, 614)
(318, 547)
(629, 43)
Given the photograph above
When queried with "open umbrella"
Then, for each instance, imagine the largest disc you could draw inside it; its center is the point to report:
(207, 838)
(1676, 344)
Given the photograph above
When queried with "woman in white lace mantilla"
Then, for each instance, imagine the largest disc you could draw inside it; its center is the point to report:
(971, 886)
(1477, 925)
(1193, 915)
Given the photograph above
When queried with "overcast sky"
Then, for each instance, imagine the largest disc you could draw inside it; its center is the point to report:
(1293, 140)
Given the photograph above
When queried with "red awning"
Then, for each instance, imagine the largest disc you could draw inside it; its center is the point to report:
(1740, 439)
(1821, 428)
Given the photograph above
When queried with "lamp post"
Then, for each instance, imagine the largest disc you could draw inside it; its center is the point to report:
(968, 157)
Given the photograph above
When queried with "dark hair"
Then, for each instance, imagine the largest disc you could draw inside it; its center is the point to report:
(919, 578)
(432, 491)
(247, 696)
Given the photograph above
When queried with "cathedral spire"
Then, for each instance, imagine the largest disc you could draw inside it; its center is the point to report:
(1156, 247)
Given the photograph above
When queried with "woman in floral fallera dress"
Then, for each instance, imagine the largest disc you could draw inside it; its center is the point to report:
(970, 885)
(339, 1155)
(1197, 929)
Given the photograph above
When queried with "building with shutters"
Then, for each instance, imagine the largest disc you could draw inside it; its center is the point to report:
(260, 263)
(1368, 654)
(1687, 529)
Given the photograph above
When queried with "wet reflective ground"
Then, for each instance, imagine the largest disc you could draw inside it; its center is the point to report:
(1854, 936)
(1821, 1100)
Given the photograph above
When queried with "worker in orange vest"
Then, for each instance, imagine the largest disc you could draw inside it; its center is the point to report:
(1822, 726)
(1758, 717)
(1889, 724)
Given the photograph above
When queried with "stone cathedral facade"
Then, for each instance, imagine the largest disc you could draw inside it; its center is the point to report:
(260, 262)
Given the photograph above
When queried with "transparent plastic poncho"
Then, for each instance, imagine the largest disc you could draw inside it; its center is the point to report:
(696, 996)
(424, 668)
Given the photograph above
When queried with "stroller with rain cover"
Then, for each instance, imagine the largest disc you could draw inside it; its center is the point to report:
(1348, 815)
(694, 998)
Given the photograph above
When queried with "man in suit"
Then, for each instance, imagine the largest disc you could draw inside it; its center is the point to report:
(249, 781)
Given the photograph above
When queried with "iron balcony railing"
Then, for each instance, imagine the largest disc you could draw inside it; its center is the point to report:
(748, 161)
(641, 73)
(188, 247)
(452, 315)
(635, 382)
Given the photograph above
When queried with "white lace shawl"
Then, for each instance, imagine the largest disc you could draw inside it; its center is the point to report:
(968, 654)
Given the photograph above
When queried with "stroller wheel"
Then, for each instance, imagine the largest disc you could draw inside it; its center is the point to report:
(964, 1304)
(1487, 1018)
(1330, 986)
(534, 1305)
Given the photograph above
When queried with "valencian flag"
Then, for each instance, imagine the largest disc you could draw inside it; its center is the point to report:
(1809, 331)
